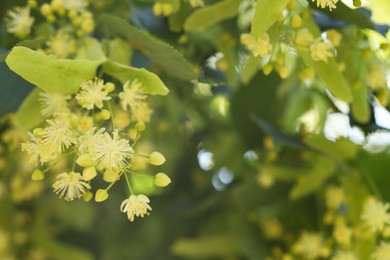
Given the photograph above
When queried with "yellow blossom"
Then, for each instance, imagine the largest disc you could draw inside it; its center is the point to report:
(311, 246)
(70, 186)
(142, 113)
(272, 228)
(303, 39)
(132, 95)
(136, 206)
(77, 5)
(324, 3)
(19, 22)
(375, 214)
(382, 252)
(335, 197)
(377, 77)
(265, 180)
(344, 255)
(92, 94)
(62, 45)
(342, 234)
(320, 50)
(52, 103)
(112, 152)
(38, 150)
(58, 136)
(259, 47)
(334, 37)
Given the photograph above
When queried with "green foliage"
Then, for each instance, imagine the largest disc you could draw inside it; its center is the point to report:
(170, 61)
(48, 73)
(211, 15)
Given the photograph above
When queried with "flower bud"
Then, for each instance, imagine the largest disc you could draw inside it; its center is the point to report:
(105, 114)
(87, 196)
(162, 180)
(45, 9)
(101, 195)
(110, 175)
(109, 87)
(85, 160)
(140, 126)
(37, 175)
(156, 158)
(89, 173)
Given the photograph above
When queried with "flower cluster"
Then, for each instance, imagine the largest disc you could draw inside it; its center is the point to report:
(83, 129)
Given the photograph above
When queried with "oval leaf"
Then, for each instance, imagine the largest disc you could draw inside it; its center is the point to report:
(152, 84)
(266, 13)
(48, 73)
(29, 114)
(161, 53)
(210, 15)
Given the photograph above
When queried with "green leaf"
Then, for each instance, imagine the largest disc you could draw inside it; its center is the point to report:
(152, 84)
(283, 173)
(250, 69)
(344, 13)
(266, 13)
(380, 11)
(90, 49)
(360, 107)
(29, 114)
(328, 72)
(212, 246)
(210, 15)
(313, 179)
(341, 149)
(119, 51)
(159, 52)
(48, 73)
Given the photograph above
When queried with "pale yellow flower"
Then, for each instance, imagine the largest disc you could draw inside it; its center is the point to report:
(375, 214)
(52, 103)
(38, 150)
(92, 94)
(62, 45)
(265, 180)
(377, 77)
(77, 5)
(324, 3)
(259, 47)
(19, 22)
(335, 197)
(58, 136)
(382, 252)
(112, 152)
(342, 234)
(86, 142)
(142, 113)
(272, 228)
(320, 50)
(344, 255)
(70, 186)
(334, 37)
(132, 95)
(136, 206)
(311, 246)
(303, 39)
